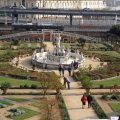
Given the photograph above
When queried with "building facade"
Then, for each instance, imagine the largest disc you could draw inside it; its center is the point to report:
(53, 4)
(63, 4)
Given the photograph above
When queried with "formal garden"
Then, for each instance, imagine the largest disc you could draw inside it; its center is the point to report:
(40, 95)
(15, 78)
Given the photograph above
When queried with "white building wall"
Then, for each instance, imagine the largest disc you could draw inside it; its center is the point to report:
(62, 4)
(68, 4)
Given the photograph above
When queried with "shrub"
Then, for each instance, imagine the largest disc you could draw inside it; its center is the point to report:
(62, 106)
(21, 86)
(33, 86)
(101, 86)
(26, 86)
(105, 97)
(5, 86)
(115, 97)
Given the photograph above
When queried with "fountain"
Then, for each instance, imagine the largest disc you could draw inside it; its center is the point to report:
(59, 55)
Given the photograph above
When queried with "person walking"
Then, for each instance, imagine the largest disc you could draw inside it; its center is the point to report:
(68, 83)
(60, 69)
(65, 81)
(69, 70)
(83, 100)
(89, 99)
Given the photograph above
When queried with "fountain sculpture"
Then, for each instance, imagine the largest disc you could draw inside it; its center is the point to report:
(59, 55)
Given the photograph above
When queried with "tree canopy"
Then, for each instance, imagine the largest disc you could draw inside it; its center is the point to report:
(115, 30)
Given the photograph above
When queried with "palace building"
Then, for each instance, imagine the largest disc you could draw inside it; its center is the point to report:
(53, 4)
(63, 4)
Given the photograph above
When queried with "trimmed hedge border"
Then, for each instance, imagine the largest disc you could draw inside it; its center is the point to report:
(100, 113)
(63, 109)
(30, 93)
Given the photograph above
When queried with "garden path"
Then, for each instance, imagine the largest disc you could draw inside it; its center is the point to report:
(73, 103)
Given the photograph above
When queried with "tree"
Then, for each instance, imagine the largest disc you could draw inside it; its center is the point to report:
(44, 83)
(49, 81)
(55, 83)
(15, 42)
(86, 83)
(81, 41)
(5, 86)
(115, 30)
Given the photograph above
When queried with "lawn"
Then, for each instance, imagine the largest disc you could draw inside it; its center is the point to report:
(106, 83)
(5, 102)
(28, 114)
(108, 53)
(26, 45)
(17, 99)
(40, 103)
(96, 46)
(18, 82)
(115, 107)
(66, 45)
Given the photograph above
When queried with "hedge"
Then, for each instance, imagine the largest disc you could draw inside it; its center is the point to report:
(62, 106)
(100, 113)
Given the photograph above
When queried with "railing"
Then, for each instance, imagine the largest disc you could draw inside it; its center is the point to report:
(19, 34)
(52, 32)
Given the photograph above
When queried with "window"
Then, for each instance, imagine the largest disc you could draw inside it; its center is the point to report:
(38, 4)
(23, 2)
(32, 4)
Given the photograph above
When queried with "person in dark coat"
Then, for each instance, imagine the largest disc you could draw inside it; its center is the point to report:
(65, 81)
(89, 99)
(60, 69)
(68, 84)
(69, 70)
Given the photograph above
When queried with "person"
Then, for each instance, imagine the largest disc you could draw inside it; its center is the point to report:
(72, 65)
(83, 100)
(65, 81)
(89, 99)
(69, 70)
(68, 84)
(60, 69)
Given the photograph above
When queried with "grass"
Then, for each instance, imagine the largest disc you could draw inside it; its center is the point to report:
(115, 107)
(18, 82)
(17, 99)
(66, 45)
(95, 45)
(5, 102)
(40, 103)
(108, 53)
(28, 114)
(25, 45)
(107, 83)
